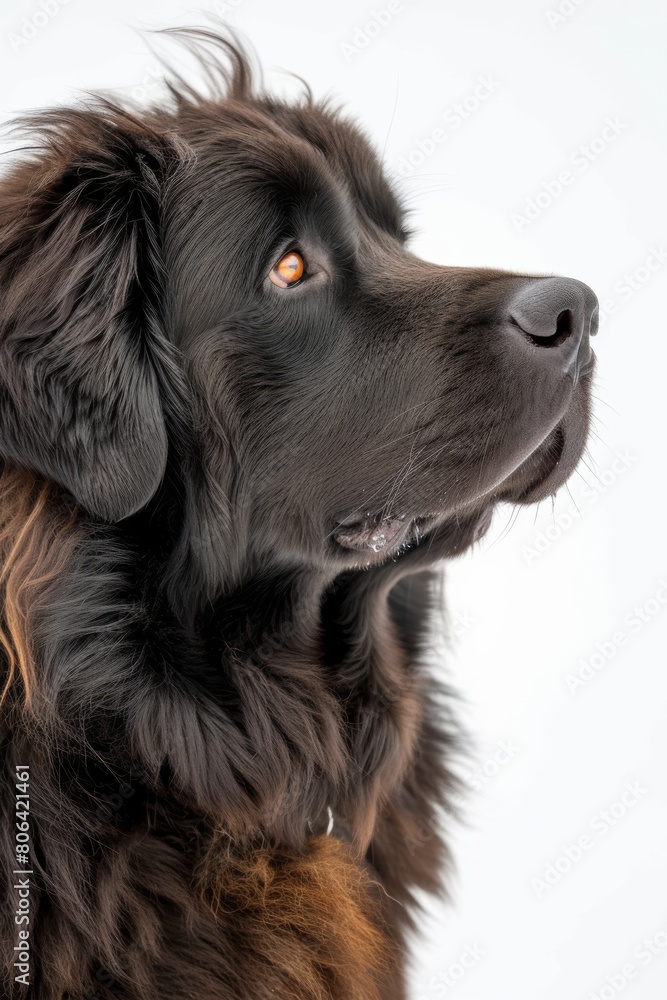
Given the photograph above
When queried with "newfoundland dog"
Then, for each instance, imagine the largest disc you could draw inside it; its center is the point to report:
(240, 422)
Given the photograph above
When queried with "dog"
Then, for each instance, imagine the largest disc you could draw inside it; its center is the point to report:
(240, 425)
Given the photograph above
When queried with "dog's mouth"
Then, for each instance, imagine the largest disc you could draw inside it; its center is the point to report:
(378, 533)
(376, 539)
(549, 462)
(381, 534)
(547, 469)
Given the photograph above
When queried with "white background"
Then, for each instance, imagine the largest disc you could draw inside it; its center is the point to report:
(531, 608)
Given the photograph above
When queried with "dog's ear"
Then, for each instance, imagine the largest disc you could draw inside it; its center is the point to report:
(80, 297)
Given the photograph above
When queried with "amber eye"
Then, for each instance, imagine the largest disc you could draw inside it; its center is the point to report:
(288, 270)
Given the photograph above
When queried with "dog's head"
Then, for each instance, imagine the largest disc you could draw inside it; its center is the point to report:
(228, 282)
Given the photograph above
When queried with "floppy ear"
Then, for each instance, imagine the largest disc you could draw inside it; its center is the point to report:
(80, 293)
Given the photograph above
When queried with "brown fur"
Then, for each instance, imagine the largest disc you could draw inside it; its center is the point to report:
(36, 538)
(307, 919)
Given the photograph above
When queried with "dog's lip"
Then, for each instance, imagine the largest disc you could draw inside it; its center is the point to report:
(376, 533)
(542, 484)
(371, 533)
(350, 520)
(588, 366)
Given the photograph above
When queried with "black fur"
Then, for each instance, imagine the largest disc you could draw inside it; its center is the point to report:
(243, 489)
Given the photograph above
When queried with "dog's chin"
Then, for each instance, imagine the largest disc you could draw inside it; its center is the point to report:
(549, 467)
(542, 473)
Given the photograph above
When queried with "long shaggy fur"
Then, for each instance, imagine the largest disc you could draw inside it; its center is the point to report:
(219, 506)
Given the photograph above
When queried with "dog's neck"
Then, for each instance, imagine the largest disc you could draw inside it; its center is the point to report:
(292, 690)
(327, 646)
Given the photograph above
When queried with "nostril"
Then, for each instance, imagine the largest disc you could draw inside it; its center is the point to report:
(563, 331)
(564, 327)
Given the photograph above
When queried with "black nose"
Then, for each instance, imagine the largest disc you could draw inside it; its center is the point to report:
(558, 315)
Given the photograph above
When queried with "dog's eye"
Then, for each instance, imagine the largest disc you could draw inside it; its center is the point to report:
(289, 269)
